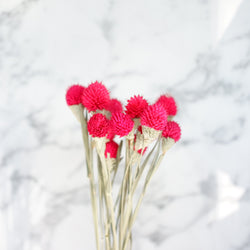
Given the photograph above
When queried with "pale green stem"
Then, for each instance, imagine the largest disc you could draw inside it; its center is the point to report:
(153, 169)
(89, 161)
(100, 185)
(129, 223)
(107, 192)
(107, 220)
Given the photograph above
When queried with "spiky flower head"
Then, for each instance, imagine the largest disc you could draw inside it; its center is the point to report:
(114, 106)
(172, 130)
(168, 103)
(74, 94)
(121, 124)
(95, 96)
(136, 105)
(98, 125)
(154, 116)
(111, 148)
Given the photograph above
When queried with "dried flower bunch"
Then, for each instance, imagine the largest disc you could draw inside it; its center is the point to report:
(147, 130)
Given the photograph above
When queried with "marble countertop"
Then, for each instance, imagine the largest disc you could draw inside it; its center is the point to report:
(197, 50)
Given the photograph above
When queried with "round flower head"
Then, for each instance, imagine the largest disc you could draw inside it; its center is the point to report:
(74, 94)
(95, 97)
(98, 125)
(114, 106)
(168, 104)
(121, 124)
(111, 148)
(136, 105)
(154, 116)
(172, 130)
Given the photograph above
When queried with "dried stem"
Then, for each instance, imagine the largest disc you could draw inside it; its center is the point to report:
(108, 191)
(101, 208)
(89, 161)
(153, 168)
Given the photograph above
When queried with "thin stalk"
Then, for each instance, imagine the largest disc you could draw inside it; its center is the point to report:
(129, 201)
(140, 169)
(149, 177)
(123, 196)
(118, 159)
(107, 219)
(130, 240)
(89, 161)
(100, 192)
(107, 193)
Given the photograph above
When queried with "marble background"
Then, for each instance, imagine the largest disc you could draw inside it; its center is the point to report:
(197, 50)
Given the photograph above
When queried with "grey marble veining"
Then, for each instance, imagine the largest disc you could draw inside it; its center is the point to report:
(199, 51)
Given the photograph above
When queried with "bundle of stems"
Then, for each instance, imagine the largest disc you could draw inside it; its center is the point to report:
(115, 216)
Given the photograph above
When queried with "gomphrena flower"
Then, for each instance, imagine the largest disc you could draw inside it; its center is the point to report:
(168, 103)
(154, 116)
(98, 125)
(111, 148)
(121, 124)
(136, 105)
(172, 130)
(95, 97)
(114, 106)
(74, 94)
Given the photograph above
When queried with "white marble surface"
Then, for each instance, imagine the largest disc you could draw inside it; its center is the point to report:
(198, 50)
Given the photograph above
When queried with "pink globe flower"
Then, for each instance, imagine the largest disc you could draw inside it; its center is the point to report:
(136, 105)
(111, 148)
(74, 94)
(168, 103)
(172, 130)
(121, 124)
(95, 97)
(114, 106)
(98, 125)
(154, 116)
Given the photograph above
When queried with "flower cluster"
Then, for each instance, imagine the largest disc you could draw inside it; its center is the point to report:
(108, 119)
(146, 130)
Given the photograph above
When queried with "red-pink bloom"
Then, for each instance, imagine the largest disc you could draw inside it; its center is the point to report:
(74, 94)
(168, 103)
(136, 105)
(121, 124)
(98, 125)
(154, 116)
(111, 148)
(172, 130)
(114, 106)
(95, 97)
(139, 151)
